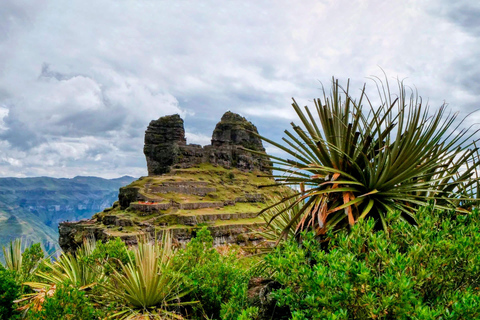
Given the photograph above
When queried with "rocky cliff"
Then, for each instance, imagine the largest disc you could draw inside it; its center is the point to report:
(166, 148)
(188, 187)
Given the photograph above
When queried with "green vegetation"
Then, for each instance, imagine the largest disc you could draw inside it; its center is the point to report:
(146, 287)
(431, 271)
(9, 292)
(428, 271)
(383, 224)
(213, 277)
(67, 303)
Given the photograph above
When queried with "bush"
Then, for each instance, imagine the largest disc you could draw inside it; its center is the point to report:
(67, 303)
(9, 292)
(216, 279)
(111, 255)
(427, 272)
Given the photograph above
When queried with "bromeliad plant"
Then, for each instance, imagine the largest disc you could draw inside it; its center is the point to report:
(147, 287)
(356, 162)
(279, 217)
(68, 269)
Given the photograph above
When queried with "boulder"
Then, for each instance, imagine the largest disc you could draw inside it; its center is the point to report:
(259, 294)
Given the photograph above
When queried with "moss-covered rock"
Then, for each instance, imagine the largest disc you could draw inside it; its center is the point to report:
(127, 195)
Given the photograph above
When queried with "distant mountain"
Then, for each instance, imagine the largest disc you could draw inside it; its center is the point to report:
(33, 207)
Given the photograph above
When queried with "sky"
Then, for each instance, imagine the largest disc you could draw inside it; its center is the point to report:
(80, 80)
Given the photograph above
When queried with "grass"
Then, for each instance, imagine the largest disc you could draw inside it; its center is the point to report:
(117, 233)
(237, 222)
(239, 207)
(230, 184)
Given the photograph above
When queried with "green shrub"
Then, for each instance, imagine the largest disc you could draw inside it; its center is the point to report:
(111, 255)
(427, 272)
(216, 279)
(31, 259)
(249, 314)
(9, 292)
(233, 308)
(67, 303)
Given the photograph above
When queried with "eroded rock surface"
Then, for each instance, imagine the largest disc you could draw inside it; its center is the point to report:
(162, 140)
(165, 145)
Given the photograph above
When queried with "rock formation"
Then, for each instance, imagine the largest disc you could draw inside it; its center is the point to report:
(162, 141)
(235, 130)
(165, 145)
(188, 187)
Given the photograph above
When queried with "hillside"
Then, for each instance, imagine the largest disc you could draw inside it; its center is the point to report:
(188, 186)
(32, 208)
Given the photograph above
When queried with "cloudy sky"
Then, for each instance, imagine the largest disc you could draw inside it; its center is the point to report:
(80, 80)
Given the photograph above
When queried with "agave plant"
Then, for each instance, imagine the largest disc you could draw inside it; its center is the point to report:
(72, 268)
(283, 213)
(146, 286)
(69, 269)
(23, 260)
(353, 162)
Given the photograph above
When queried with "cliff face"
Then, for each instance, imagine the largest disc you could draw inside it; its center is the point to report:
(188, 187)
(165, 146)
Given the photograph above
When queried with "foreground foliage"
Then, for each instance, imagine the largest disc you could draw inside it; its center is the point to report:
(218, 281)
(427, 272)
(67, 303)
(9, 292)
(146, 286)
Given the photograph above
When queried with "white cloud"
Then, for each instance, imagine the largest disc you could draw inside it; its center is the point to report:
(79, 83)
(198, 138)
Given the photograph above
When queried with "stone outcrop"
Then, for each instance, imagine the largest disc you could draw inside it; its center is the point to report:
(188, 187)
(162, 140)
(166, 148)
(235, 130)
(259, 294)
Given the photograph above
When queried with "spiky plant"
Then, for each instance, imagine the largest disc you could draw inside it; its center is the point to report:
(72, 268)
(68, 268)
(21, 259)
(13, 255)
(146, 286)
(353, 162)
(283, 213)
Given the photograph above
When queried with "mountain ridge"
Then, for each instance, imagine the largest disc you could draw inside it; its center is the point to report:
(32, 207)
